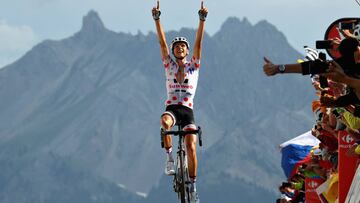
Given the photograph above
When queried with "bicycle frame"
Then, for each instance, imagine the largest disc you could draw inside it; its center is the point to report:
(181, 177)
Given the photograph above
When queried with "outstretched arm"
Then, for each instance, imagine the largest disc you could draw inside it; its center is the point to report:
(200, 32)
(271, 69)
(160, 31)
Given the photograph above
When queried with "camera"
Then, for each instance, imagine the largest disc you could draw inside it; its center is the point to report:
(324, 44)
(346, 25)
(323, 80)
(316, 67)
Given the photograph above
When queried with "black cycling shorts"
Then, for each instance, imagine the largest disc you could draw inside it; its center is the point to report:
(183, 115)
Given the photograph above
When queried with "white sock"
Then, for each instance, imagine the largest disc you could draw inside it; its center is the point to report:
(193, 184)
(169, 154)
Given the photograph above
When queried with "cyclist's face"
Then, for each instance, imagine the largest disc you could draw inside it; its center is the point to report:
(180, 50)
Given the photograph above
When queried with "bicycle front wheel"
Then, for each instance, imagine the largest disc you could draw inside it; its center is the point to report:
(182, 178)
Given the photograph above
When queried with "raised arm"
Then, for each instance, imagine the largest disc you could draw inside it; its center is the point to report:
(160, 31)
(200, 32)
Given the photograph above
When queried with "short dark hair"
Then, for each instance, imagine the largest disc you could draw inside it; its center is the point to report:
(348, 46)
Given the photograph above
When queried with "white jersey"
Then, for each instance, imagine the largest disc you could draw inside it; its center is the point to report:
(182, 94)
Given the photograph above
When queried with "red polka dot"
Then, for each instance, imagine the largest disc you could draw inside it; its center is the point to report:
(185, 74)
(180, 103)
(186, 99)
(168, 102)
(190, 104)
(174, 98)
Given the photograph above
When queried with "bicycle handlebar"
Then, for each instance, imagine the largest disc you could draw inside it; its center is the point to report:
(182, 132)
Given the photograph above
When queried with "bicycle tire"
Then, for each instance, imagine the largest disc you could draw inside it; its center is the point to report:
(187, 181)
(182, 179)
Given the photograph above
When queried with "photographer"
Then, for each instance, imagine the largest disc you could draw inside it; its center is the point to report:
(348, 74)
(350, 59)
(305, 68)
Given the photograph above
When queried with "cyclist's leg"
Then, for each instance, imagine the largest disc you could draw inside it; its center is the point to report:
(190, 142)
(167, 122)
(188, 123)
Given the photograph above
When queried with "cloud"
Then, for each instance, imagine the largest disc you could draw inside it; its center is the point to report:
(14, 38)
(14, 41)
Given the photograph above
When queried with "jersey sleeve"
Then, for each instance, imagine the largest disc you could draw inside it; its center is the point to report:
(167, 61)
(195, 62)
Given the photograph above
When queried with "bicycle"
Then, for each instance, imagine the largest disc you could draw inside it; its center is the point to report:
(181, 181)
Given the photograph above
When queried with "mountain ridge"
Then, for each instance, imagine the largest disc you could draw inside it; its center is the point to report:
(95, 99)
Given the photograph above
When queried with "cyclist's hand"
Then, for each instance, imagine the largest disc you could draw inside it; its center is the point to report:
(156, 11)
(203, 12)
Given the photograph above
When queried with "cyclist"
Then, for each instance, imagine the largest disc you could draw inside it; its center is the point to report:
(181, 83)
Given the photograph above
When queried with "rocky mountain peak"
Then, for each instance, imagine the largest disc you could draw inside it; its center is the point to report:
(92, 22)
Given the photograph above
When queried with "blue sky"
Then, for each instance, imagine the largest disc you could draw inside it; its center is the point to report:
(24, 23)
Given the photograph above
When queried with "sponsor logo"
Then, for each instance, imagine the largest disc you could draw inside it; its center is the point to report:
(344, 146)
(191, 70)
(310, 190)
(313, 184)
(181, 86)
